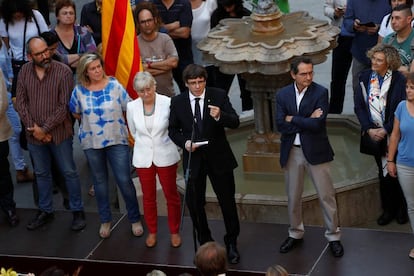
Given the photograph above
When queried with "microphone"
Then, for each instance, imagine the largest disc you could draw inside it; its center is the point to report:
(187, 173)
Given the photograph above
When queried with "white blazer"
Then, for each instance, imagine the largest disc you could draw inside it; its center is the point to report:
(155, 147)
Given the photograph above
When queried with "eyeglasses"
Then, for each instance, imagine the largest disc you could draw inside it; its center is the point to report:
(39, 54)
(149, 20)
(146, 90)
(195, 83)
(67, 13)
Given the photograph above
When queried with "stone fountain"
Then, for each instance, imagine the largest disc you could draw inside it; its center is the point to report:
(261, 47)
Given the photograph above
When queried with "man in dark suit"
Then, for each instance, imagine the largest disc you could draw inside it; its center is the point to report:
(206, 112)
(301, 110)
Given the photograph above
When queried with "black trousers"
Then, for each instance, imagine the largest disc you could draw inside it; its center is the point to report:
(224, 188)
(341, 63)
(6, 184)
(392, 197)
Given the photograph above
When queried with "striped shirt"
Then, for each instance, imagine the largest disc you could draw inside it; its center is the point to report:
(45, 102)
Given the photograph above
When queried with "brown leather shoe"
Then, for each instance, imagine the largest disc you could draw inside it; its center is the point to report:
(24, 175)
(175, 240)
(151, 240)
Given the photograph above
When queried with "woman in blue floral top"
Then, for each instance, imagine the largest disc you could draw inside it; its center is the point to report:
(99, 102)
(74, 40)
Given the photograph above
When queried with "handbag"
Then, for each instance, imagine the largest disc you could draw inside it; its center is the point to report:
(372, 147)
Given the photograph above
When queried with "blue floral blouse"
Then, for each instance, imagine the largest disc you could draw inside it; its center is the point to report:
(102, 115)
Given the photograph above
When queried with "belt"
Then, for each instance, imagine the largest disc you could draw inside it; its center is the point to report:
(297, 146)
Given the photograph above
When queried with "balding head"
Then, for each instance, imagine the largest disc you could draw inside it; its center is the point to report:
(211, 259)
(38, 52)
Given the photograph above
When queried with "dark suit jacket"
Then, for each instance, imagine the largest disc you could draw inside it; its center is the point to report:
(396, 93)
(217, 153)
(312, 131)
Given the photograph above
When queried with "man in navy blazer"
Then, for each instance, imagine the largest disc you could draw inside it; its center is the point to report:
(301, 110)
(214, 159)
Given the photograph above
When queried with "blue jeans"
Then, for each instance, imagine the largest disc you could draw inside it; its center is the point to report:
(118, 158)
(14, 141)
(63, 156)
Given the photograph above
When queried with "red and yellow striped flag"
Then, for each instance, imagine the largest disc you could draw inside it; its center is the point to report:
(119, 43)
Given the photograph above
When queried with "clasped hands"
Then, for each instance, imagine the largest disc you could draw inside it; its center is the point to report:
(377, 134)
(315, 114)
(39, 134)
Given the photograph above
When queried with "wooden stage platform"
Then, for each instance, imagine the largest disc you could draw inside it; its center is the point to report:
(367, 252)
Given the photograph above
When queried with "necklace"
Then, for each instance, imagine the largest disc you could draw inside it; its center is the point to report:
(151, 112)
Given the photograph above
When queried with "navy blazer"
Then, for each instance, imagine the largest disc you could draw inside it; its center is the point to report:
(312, 131)
(217, 153)
(396, 93)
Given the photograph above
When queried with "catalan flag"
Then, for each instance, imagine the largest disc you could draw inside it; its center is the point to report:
(119, 43)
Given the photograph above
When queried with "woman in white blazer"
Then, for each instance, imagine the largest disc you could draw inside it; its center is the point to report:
(154, 153)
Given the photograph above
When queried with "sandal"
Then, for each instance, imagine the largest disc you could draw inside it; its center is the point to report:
(105, 230)
(137, 229)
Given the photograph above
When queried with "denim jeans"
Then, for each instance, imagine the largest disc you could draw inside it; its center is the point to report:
(14, 141)
(406, 178)
(63, 156)
(118, 158)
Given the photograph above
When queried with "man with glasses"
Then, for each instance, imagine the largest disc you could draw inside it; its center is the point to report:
(158, 53)
(301, 110)
(198, 118)
(43, 91)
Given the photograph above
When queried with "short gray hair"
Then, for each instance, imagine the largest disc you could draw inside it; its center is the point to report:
(143, 80)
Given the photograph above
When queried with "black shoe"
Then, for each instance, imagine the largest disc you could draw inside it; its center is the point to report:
(385, 218)
(78, 222)
(289, 244)
(402, 216)
(41, 219)
(66, 203)
(12, 218)
(233, 254)
(336, 248)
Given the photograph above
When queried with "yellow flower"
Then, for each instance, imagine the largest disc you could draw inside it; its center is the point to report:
(8, 272)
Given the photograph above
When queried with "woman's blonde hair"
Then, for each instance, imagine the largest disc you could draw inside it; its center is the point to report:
(81, 70)
(391, 55)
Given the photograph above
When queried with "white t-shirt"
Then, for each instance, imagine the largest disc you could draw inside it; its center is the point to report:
(386, 29)
(15, 33)
(201, 26)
